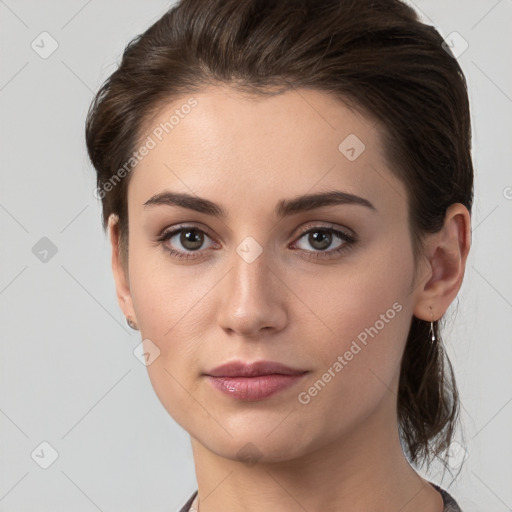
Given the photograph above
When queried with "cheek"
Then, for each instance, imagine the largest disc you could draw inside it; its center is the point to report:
(352, 297)
(170, 312)
(167, 298)
(363, 316)
(171, 305)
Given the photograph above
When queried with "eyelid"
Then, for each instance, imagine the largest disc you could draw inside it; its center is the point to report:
(182, 226)
(318, 225)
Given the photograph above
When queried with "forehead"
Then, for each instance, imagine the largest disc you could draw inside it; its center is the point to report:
(259, 149)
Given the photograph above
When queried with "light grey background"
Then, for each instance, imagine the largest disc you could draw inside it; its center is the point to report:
(67, 369)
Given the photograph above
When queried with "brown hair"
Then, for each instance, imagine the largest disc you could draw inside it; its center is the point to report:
(373, 55)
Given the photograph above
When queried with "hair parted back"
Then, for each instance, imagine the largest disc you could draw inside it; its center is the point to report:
(373, 55)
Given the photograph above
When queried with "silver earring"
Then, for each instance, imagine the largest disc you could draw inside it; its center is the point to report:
(433, 336)
(131, 323)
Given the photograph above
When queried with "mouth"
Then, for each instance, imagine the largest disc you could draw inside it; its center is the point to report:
(256, 369)
(254, 388)
(253, 382)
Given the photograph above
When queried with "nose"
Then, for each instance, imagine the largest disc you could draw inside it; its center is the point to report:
(253, 298)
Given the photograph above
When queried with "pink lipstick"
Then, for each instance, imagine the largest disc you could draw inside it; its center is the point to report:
(255, 381)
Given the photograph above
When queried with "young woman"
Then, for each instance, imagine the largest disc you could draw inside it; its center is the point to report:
(287, 186)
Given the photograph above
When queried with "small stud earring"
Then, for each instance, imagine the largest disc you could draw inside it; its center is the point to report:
(131, 323)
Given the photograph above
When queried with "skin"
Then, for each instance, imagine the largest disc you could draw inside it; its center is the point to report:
(246, 154)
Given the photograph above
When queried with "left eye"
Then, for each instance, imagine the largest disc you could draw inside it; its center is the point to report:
(321, 238)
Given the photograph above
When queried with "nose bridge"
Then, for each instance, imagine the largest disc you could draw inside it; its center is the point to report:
(250, 272)
(252, 300)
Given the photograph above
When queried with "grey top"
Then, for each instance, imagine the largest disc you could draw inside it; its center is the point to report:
(450, 505)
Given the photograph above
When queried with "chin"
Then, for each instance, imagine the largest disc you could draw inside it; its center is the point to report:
(255, 445)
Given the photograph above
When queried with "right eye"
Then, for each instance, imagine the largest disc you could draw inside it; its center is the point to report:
(191, 239)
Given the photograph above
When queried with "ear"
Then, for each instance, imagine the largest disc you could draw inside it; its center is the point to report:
(446, 253)
(120, 272)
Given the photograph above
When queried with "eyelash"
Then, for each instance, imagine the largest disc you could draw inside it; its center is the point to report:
(348, 240)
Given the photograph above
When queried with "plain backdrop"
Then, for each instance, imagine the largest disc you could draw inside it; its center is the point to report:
(72, 394)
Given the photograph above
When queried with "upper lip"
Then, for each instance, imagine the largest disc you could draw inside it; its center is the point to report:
(242, 369)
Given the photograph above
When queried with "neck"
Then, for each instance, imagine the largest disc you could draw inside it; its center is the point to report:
(364, 470)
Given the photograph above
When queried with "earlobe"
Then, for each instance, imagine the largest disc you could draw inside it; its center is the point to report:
(448, 250)
(119, 271)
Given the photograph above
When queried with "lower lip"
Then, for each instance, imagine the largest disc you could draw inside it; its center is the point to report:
(254, 388)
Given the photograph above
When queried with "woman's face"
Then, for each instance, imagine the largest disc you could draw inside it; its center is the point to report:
(269, 280)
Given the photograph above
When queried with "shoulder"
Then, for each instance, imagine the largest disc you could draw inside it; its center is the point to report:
(450, 505)
(186, 507)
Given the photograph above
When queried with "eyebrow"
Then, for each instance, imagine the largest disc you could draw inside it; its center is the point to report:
(284, 207)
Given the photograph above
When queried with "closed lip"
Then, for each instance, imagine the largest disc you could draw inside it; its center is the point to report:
(255, 369)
